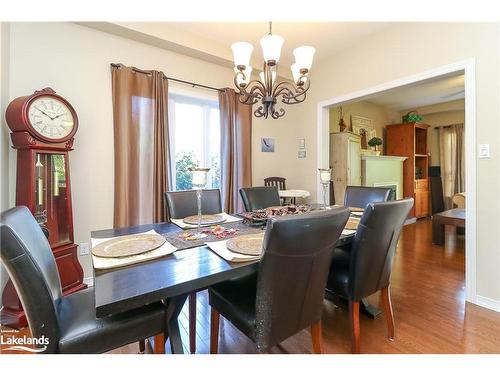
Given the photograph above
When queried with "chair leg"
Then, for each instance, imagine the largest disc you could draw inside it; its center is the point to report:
(214, 331)
(192, 323)
(385, 295)
(317, 337)
(354, 317)
(142, 346)
(159, 344)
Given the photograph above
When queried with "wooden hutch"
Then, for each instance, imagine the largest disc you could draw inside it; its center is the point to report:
(410, 140)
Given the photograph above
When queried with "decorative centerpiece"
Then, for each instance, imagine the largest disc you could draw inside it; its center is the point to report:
(375, 142)
(325, 176)
(199, 183)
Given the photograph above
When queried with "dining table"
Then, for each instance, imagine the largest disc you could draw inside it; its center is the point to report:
(169, 279)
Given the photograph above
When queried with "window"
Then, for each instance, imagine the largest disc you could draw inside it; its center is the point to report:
(194, 139)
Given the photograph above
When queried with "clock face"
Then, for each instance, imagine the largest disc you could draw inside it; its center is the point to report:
(50, 117)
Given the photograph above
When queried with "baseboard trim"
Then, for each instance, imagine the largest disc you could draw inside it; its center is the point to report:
(89, 281)
(488, 303)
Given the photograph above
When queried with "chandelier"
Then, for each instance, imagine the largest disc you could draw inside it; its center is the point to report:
(266, 89)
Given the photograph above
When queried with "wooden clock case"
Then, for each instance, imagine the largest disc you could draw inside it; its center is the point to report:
(32, 148)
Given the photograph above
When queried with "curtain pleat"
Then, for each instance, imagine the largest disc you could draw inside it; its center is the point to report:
(141, 152)
(236, 149)
(451, 142)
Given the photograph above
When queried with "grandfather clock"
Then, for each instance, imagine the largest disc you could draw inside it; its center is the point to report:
(43, 127)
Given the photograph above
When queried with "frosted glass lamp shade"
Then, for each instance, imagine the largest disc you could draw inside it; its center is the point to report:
(296, 74)
(271, 47)
(242, 51)
(239, 78)
(304, 56)
(263, 77)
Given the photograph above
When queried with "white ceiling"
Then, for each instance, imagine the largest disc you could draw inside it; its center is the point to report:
(440, 90)
(327, 37)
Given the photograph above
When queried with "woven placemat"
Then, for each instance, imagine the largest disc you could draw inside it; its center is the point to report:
(181, 243)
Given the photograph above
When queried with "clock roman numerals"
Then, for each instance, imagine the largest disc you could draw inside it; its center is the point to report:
(50, 117)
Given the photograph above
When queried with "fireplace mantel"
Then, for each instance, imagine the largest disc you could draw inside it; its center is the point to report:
(382, 170)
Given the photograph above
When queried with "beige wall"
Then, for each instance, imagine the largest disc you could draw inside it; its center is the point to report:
(379, 114)
(74, 60)
(389, 55)
(436, 115)
(4, 133)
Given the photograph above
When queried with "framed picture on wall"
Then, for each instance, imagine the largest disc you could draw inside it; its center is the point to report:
(267, 144)
(363, 126)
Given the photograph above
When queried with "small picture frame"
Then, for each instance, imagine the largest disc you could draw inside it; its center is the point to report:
(302, 144)
(267, 144)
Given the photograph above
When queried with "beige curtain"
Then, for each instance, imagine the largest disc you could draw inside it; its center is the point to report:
(236, 146)
(451, 153)
(141, 145)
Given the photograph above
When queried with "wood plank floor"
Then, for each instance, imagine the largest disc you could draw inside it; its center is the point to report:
(428, 294)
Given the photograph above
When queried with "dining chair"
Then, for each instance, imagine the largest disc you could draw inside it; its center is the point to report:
(285, 295)
(360, 196)
(280, 183)
(365, 268)
(68, 322)
(259, 197)
(181, 204)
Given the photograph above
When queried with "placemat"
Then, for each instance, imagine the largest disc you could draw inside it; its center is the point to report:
(107, 263)
(229, 219)
(220, 248)
(180, 243)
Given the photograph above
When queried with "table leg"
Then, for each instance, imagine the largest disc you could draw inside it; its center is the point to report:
(437, 233)
(174, 307)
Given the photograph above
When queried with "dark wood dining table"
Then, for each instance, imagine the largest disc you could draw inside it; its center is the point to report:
(169, 279)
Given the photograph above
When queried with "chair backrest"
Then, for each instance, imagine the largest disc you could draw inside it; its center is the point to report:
(256, 198)
(293, 272)
(360, 196)
(181, 204)
(279, 182)
(374, 246)
(28, 258)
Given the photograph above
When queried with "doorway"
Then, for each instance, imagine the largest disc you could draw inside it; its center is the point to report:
(468, 69)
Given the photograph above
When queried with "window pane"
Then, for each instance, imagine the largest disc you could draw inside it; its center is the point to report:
(196, 139)
(214, 145)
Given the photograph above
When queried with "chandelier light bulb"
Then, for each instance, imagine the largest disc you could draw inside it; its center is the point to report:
(304, 57)
(271, 47)
(242, 51)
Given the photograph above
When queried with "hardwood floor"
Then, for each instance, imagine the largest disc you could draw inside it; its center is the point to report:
(428, 299)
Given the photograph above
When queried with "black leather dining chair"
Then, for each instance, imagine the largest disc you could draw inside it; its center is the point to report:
(365, 268)
(259, 197)
(286, 293)
(68, 322)
(361, 196)
(181, 204)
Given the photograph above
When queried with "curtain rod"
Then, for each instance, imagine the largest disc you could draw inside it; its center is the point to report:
(446, 126)
(194, 84)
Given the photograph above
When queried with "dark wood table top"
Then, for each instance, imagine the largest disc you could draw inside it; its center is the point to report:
(185, 271)
(454, 213)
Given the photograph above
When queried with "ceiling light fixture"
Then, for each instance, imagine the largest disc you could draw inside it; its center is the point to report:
(267, 89)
